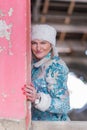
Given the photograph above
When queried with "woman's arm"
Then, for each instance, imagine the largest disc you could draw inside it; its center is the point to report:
(57, 99)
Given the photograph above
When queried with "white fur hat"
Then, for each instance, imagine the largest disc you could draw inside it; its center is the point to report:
(44, 32)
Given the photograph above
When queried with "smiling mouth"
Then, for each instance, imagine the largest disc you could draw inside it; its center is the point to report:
(38, 52)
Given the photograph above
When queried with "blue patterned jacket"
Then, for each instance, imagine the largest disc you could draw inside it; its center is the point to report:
(49, 77)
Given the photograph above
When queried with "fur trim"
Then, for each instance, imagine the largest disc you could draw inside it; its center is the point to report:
(44, 103)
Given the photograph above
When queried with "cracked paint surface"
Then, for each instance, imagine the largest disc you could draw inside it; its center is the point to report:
(2, 14)
(6, 31)
(10, 12)
(13, 68)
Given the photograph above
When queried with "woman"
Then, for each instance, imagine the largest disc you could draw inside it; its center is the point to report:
(48, 91)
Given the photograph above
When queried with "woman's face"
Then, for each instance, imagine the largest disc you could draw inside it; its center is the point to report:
(40, 48)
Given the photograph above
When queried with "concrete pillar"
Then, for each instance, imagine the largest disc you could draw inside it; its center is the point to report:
(14, 48)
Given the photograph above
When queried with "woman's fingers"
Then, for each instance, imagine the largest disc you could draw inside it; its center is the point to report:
(30, 92)
(28, 88)
(30, 97)
(31, 84)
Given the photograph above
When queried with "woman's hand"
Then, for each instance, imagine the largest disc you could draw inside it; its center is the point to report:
(30, 92)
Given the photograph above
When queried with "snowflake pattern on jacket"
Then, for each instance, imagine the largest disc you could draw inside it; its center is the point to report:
(49, 76)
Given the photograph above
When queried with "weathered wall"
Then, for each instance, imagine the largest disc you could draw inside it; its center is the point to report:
(12, 125)
(13, 62)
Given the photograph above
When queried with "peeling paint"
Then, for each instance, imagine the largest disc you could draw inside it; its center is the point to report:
(9, 48)
(5, 32)
(2, 49)
(10, 12)
(4, 95)
(2, 14)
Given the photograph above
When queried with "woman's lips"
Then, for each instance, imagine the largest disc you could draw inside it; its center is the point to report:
(38, 52)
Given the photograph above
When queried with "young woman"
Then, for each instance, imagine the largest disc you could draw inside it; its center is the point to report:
(48, 91)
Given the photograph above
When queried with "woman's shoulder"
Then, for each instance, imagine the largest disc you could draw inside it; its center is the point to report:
(57, 63)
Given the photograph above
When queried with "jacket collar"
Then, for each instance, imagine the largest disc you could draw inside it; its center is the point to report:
(42, 61)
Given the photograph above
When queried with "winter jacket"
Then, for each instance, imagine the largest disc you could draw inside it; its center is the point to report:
(49, 76)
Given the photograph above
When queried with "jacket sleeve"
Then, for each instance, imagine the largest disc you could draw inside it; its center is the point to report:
(56, 78)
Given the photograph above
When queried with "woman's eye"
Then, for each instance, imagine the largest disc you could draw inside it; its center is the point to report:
(43, 42)
(33, 43)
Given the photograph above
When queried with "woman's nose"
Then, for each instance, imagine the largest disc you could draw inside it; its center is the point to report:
(38, 47)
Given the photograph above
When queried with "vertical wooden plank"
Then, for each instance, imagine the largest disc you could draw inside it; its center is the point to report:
(67, 19)
(13, 60)
(45, 10)
(28, 52)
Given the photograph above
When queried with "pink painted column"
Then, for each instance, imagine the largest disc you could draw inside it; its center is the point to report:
(14, 48)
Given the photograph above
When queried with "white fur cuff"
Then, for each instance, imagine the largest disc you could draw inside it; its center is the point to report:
(44, 103)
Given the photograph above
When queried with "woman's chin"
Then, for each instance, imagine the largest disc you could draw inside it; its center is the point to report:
(39, 56)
